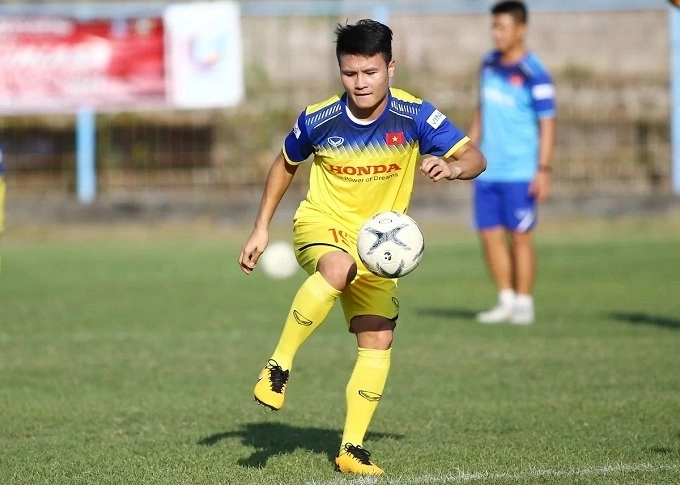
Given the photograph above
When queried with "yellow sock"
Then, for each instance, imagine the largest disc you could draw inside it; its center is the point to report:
(364, 391)
(310, 307)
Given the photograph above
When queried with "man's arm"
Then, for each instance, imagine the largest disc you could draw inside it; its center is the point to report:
(547, 129)
(540, 186)
(466, 163)
(475, 132)
(279, 179)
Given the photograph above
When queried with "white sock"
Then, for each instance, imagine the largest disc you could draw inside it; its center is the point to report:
(524, 300)
(506, 297)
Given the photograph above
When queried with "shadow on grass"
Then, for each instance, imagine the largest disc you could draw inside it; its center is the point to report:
(271, 439)
(462, 313)
(641, 318)
(661, 450)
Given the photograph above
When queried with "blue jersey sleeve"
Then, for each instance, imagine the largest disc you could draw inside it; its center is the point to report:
(543, 95)
(297, 147)
(436, 134)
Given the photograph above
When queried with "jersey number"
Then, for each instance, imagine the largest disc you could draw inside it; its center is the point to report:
(339, 236)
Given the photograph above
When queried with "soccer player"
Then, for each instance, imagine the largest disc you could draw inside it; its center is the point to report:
(514, 125)
(365, 144)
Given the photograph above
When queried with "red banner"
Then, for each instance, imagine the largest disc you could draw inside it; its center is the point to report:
(59, 64)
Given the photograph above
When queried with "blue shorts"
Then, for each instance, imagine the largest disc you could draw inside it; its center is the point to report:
(504, 204)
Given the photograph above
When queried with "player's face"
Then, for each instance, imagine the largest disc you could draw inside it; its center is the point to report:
(507, 34)
(366, 81)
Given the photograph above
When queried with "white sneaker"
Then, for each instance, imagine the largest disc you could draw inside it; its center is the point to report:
(522, 315)
(498, 314)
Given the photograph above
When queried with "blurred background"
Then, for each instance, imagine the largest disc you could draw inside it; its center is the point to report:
(155, 111)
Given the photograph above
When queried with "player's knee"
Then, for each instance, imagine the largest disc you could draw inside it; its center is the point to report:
(375, 340)
(522, 238)
(373, 332)
(338, 268)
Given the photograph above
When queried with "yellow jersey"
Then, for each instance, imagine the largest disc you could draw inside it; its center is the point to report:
(362, 169)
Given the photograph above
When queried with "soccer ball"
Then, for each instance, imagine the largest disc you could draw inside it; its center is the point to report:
(390, 244)
(278, 260)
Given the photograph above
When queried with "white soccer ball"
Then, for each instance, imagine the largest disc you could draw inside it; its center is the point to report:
(390, 244)
(278, 260)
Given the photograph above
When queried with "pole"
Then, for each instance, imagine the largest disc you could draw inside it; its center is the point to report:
(86, 178)
(674, 15)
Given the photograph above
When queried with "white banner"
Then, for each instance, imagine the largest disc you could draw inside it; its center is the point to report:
(204, 58)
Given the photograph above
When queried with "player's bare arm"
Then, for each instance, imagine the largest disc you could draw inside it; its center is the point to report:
(540, 185)
(475, 131)
(278, 180)
(466, 163)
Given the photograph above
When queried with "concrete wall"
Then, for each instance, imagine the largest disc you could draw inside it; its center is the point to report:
(439, 55)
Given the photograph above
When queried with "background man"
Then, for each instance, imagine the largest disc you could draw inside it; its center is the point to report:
(514, 125)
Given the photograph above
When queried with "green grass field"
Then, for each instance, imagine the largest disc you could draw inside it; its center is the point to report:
(129, 356)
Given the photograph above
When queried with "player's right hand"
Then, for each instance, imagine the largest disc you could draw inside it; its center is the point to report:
(252, 249)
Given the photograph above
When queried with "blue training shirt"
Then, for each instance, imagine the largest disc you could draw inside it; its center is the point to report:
(512, 100)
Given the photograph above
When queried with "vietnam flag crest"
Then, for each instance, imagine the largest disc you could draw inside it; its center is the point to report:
(395, 138)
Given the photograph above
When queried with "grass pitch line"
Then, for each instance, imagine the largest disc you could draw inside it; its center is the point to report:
(462, 476)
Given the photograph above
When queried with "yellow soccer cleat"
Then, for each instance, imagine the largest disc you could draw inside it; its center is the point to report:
(355, 459)
(271, 386)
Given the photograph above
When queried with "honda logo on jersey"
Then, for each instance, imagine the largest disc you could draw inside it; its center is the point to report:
(395, 138)
(365, 170)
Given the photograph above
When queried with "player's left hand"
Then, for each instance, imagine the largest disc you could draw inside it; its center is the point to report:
(438, 168)
(539, 188)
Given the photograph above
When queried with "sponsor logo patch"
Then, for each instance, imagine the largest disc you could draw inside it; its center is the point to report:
(495, 96)
(543, 91)
(436, 119)
(365, 170)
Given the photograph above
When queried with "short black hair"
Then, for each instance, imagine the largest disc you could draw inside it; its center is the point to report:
(517, 9)
(365, 38)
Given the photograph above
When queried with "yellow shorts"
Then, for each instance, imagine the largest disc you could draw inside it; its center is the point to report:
(2, 204)
(316, 235)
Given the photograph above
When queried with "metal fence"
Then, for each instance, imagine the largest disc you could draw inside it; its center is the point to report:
(609, 61)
